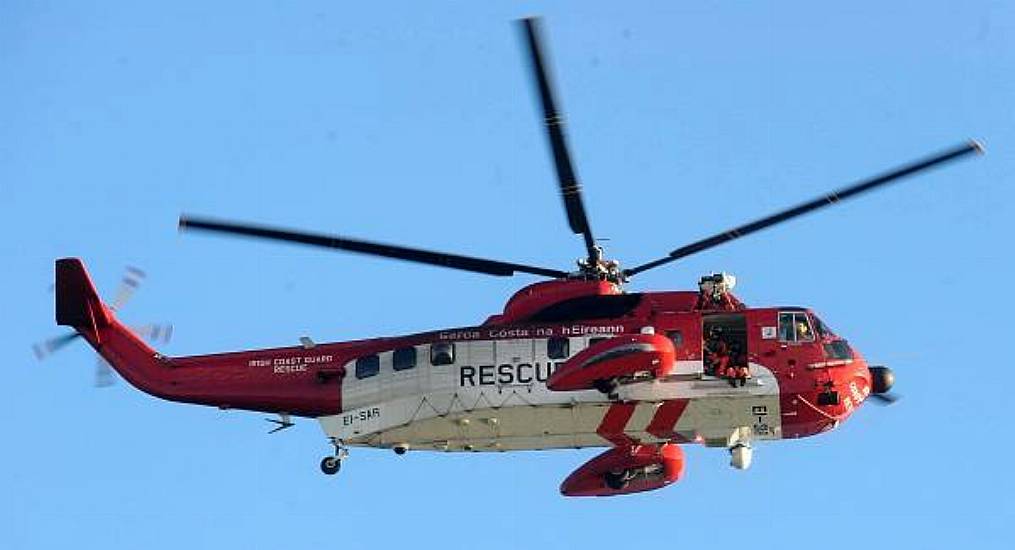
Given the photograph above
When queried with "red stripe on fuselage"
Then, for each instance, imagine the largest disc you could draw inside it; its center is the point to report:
(665, 420)
(614, 422)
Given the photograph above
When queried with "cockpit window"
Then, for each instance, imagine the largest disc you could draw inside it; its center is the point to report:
(838, 349)
(795, 327)
(822, 329)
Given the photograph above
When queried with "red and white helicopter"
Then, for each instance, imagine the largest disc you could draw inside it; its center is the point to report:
(572, 362)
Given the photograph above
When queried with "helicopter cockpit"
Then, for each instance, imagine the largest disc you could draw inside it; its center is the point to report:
(795, 327)
(804, 326)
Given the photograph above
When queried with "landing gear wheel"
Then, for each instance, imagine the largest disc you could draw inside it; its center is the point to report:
(331, 465)
(616, 480)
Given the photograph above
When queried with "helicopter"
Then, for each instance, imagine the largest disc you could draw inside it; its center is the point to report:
(571, 362)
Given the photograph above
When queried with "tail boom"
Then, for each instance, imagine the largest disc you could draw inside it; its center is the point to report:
(228, 380)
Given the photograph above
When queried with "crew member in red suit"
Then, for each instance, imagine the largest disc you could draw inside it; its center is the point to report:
(704, 301)
(718, 353)
(708, 352)
(717, 301)
(731, 372)
(741, 372)
(727, 302)
(738, 370)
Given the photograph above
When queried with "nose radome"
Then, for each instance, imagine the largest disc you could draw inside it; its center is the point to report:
(882, 379)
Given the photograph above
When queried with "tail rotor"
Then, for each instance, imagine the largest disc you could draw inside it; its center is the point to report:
(156, 333)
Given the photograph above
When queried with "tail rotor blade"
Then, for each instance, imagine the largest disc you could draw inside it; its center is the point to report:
(155, 333)
(104, 376)
(46, 348)
(129, 284)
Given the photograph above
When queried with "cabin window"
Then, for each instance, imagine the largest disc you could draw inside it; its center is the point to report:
(403, 358)
(368, 366)
(596, 340)
(558, 348)
(795, 327)
(676, 337)
(442, 353)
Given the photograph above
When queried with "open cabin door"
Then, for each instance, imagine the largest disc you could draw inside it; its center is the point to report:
(724, 345)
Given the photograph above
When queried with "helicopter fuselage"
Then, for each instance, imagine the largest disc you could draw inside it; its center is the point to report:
(484, 388)
(489, 387)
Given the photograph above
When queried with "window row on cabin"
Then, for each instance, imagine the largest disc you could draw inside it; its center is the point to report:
(441, 353)
(793, 327)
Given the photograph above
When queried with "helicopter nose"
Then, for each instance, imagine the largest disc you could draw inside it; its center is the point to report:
(882, 379)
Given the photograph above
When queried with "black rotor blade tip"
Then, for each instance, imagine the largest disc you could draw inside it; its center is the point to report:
(885, 398)
(823, 201)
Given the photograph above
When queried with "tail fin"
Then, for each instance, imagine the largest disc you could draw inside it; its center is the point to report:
(77, 303)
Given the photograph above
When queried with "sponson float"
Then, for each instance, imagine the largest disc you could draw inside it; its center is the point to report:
(573, 362)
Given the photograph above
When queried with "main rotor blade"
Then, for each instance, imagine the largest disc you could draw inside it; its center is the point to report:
(884, 398)
(810, 206)
(570, 189)
(442, 259)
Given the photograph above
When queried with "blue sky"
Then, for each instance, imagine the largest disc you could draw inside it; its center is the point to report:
(416, 123)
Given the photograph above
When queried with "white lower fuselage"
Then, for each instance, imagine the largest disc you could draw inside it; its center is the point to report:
(493, 397)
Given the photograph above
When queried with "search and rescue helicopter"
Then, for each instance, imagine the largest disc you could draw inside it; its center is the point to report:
(572, 362)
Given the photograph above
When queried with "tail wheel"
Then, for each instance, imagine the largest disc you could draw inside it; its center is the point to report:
(330, 465)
